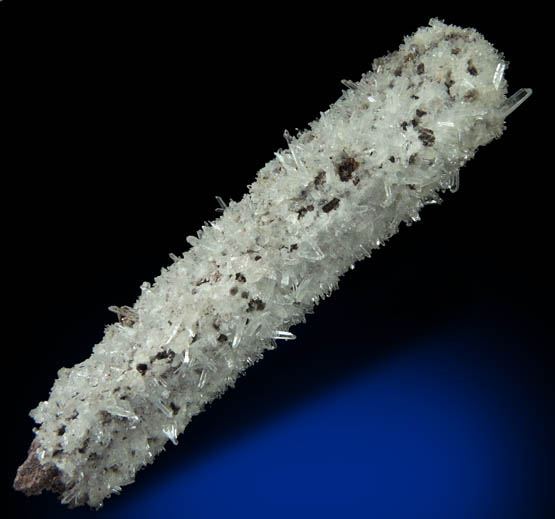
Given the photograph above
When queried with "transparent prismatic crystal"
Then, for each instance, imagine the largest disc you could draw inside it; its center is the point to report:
(389, 146)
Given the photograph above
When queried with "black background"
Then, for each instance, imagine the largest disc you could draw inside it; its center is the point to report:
(121, 125)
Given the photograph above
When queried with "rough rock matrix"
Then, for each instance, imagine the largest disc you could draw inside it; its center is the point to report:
(385, 149)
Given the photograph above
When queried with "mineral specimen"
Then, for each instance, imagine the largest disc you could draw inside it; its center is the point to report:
(390, 145)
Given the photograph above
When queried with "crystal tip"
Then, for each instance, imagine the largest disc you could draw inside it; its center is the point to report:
(513, 102)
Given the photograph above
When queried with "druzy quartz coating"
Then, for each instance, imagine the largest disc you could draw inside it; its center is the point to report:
(389, 146)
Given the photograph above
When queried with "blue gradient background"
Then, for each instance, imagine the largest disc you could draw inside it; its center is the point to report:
(423, 388)
(447, 427)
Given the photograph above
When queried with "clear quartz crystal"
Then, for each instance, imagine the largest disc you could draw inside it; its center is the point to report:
(393, 141)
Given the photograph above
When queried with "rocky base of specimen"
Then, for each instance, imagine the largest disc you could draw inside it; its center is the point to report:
(32, 478)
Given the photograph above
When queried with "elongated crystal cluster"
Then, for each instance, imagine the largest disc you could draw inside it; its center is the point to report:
(389, 146)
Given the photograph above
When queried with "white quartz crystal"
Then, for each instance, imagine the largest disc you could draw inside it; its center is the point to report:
(389, 146)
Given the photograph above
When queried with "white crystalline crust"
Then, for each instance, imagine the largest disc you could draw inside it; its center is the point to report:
(387, 147)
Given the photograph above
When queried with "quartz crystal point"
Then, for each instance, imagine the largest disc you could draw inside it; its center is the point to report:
(390, 145)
